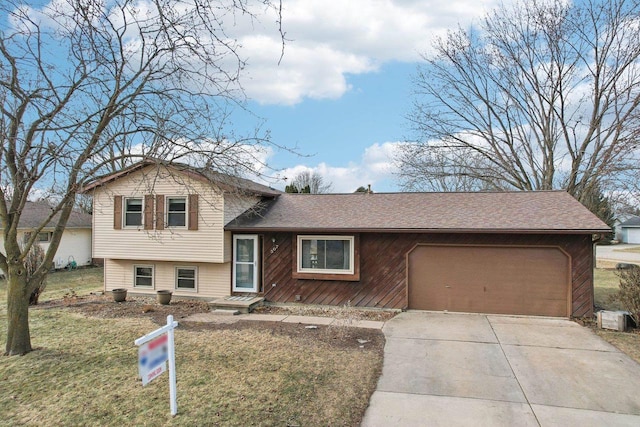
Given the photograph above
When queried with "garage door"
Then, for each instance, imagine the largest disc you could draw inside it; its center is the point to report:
(487, 279)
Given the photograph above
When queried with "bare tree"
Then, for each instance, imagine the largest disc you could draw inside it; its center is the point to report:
(311, 181)
(86, 86)
(543, 95)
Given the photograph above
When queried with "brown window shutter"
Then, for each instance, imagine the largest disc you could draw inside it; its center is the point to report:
(159, 212)
(193, 211)
(148, 212)
(117, 213)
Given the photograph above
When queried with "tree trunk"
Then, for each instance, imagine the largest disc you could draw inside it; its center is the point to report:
(18, 336)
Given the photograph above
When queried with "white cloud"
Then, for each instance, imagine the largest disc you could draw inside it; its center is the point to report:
(326, 41)
(375, 167)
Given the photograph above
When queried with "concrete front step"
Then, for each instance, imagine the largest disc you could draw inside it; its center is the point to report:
(243, 304)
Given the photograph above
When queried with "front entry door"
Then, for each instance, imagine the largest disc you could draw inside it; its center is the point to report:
(245, 263)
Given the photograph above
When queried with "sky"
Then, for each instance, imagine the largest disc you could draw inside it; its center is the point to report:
(342, 91)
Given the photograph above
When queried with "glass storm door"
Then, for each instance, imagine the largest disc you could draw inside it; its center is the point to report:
(245, 263)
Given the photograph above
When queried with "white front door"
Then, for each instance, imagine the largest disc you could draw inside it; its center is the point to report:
(245, 263)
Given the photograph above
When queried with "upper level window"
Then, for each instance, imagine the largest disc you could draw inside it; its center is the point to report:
(176, 211)
(326, 254)
(132, 212)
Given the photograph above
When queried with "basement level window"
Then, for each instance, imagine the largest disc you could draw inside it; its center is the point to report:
(326, 254)
(143, 276)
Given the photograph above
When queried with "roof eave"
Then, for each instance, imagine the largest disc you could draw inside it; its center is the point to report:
(416, 230)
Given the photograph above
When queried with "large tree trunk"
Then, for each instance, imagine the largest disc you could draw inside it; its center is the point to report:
(18, 336)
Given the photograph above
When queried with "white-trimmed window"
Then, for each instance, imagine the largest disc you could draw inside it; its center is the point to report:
(177, 211)
(187, 278)
(326, 254)
(132, 211)
(44, 237)
(143, 276)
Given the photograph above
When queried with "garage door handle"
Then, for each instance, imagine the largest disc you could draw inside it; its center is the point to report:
(447, 286)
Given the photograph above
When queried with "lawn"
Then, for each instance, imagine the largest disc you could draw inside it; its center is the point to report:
(84, 371)
(606, 284)
(635, 250)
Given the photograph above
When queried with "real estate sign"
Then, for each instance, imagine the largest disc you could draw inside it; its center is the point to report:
(155, 350)
(152, 358)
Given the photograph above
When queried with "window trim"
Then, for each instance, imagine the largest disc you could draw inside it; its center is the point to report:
(353, 274)
(49, 236)
(153, 276)
(124, 212)
(186, 211)
(195, 278)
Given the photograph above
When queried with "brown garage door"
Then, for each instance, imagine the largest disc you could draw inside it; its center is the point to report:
(487, 279)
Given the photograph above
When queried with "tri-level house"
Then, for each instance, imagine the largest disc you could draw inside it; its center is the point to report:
(201, 233)
(161, 227)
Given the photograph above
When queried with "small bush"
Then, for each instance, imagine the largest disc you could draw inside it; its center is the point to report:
(629, 293)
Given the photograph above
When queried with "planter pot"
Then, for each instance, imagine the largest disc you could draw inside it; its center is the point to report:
(119, 295)
(164, 297)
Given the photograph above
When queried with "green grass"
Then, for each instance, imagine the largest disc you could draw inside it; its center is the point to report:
(84, 372)
(606, 284)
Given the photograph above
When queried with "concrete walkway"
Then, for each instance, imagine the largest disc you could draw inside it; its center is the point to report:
(285, 318)
(487, 370)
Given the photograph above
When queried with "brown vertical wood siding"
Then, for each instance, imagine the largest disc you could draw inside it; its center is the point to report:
(383, 275)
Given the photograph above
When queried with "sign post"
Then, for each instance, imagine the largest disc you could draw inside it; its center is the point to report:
(156, 348)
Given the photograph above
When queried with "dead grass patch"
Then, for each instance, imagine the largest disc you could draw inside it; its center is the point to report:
(84, 369)
(627, 342)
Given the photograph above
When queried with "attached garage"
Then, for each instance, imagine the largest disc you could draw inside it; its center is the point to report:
(527, 253)
(490, 279)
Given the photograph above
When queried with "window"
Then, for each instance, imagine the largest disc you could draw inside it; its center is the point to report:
(186, 278)
(326, 254)
(176, 211)
(44, 237)
(133, 212)
(143, 276)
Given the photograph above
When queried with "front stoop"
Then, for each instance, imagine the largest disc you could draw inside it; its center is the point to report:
(243, 304)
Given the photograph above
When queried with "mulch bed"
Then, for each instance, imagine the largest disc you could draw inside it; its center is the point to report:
(103, 306)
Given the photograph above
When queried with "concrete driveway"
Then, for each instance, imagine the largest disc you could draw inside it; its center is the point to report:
(489, 370)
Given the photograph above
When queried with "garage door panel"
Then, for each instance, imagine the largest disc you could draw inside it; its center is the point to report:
(502, 280)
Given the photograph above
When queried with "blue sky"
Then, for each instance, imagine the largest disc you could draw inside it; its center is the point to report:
(343, 89)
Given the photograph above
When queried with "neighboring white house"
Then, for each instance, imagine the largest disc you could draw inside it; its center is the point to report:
(75, 244)
(161, 227)
(629, 230)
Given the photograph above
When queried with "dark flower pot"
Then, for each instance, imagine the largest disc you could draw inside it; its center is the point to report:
(164, 297)
(119, 295)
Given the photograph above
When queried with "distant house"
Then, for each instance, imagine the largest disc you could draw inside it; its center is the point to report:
(75, 244)
(629, 231)
(208, 235)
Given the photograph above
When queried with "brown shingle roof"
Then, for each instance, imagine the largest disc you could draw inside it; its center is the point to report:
(35, 213)
(224, 181)
(530, 212)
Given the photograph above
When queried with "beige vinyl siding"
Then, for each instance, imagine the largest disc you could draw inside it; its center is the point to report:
(214, 280)
(170, 244)
(235, 205)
